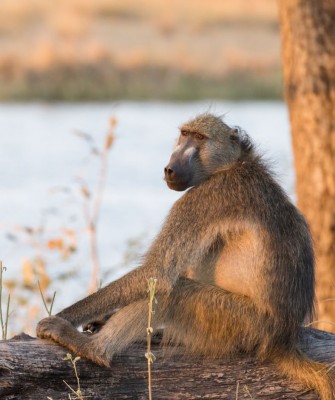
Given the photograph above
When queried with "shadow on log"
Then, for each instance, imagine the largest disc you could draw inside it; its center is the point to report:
(35, 369)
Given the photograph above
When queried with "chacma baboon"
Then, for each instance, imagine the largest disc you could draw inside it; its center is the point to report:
(234, 265)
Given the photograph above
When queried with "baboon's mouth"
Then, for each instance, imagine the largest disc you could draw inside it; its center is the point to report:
(177, 185)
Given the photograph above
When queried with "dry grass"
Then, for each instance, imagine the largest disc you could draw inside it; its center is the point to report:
(199, 13)
(190, 38)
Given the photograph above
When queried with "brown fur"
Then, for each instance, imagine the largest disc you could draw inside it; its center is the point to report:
(234, 263)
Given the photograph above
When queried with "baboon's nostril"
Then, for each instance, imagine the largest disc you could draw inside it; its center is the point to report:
(169, 171)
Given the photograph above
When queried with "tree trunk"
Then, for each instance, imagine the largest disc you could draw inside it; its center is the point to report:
(308, 54)
(32, 369)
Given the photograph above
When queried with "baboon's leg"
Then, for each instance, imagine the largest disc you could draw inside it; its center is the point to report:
(121, 329)
(214, 322)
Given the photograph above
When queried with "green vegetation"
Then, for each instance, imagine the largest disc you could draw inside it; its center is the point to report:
(48, 309)
(149, 355)
(3, 319)
(105, 82)
(77, 393)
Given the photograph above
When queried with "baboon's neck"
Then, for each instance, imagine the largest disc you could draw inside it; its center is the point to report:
(249, 160)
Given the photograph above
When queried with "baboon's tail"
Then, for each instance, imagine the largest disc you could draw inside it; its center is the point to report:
(312, 374)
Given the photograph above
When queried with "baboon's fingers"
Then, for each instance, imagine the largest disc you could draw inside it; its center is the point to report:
(94, 326)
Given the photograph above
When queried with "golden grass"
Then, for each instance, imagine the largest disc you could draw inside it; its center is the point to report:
(198, 12)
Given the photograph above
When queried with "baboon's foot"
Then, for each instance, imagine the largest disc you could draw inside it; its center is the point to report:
(54, 328)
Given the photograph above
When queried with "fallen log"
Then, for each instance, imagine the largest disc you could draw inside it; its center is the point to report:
(35, 369)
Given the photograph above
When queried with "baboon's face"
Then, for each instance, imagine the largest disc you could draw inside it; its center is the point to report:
(205, 146)
(185, 165)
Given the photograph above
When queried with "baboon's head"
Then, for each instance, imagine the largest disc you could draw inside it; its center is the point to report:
(205, 146)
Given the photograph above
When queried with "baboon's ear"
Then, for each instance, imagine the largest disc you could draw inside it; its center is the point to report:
(234, 137)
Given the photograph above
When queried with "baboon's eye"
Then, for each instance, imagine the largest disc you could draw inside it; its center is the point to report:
(184, 133)
(199, 136)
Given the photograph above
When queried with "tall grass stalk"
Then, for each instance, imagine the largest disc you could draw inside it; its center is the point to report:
(149, 355)
(48, 309)
(3, 322)
(320, 321)
(237, 389)
(92, 204)
(246, 390)
(77, 392)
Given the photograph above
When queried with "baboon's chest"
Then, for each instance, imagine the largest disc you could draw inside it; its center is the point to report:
(235, 266)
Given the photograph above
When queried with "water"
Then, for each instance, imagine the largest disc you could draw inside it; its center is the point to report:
(40, 156)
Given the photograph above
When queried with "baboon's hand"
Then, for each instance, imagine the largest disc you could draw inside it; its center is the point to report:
(94, 326)
(54, 328)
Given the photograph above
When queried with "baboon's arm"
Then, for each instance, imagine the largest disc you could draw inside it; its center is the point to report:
(129, 288)
(166, 259)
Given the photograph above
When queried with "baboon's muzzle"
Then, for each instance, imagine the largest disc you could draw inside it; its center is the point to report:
(178, 174)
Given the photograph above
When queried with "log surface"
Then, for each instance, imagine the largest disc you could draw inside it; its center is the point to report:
(35, 369)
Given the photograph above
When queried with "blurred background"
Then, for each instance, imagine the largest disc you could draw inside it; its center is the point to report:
(124, 49)
(92, 94)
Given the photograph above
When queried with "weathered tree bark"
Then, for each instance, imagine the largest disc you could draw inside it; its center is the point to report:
(308, 54)
(32, 369)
